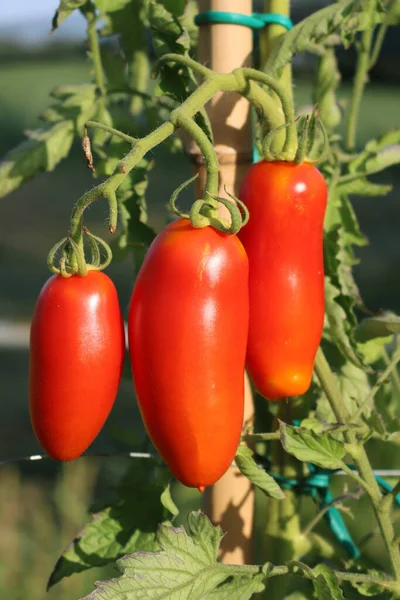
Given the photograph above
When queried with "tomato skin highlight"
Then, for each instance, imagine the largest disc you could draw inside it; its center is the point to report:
(188, 325)
(77, 347)
(284, 242)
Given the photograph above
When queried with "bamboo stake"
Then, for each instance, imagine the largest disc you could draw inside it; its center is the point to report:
(223, 48)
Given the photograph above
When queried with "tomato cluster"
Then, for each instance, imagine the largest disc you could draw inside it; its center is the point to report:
(205, 304)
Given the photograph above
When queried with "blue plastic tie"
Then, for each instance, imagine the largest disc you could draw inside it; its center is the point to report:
(317, 484)
(255, 21)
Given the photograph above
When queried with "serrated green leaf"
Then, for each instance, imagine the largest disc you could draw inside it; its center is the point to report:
(238, 588)
(339, 324)
(65, 8)
(126, 524)
(363, 187)
(306, 446)
(247, 465)
(342, 18)
(169, 35)
(354, 386)
(383, 325)
(185, 567)
(44, 149)
(330, 588)
(129, 23)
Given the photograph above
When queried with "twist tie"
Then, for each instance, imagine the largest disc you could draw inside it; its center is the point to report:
(254, 21)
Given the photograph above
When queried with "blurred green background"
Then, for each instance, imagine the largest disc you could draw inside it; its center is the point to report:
(42, 504)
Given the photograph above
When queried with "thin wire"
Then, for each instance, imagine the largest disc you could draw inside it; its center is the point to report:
(149, 455)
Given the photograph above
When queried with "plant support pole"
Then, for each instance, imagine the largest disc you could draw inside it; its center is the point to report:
(224, 48)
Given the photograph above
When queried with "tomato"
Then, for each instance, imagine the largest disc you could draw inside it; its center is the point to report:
(188, 323)
(284, 243)
(76, 357)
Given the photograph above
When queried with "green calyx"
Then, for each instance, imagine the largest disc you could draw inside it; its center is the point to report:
(308, 141)
(205, 212)
(72, 260)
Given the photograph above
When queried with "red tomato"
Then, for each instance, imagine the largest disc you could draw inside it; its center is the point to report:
(188, 324)
(77, 350)
(284, 243)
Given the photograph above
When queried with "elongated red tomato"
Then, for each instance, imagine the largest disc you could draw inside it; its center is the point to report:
(188, 323)
(76, 357)
(283, 241)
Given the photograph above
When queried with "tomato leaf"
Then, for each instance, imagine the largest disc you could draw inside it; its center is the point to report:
(167, 501)
(126, 524)
(306, 446)
(185, 567)
(247, 465)
(326, 583)
(377, 327)
(342, 18)
(65, 8)
(42, 151)
(338, 307)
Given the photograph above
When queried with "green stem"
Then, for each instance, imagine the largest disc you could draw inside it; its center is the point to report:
(116, 132)
(394, 373)
(290, 144)
(179, 119)
(378, 45)
(360, 80)
(283, 540)
(261, 437)
(360, 457)
(267, 37)
(95, 52)
(307, 573)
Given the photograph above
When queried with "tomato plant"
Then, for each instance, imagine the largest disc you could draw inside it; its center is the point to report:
(76, 356)
(187, 342)
(283, 241)
(232, 280)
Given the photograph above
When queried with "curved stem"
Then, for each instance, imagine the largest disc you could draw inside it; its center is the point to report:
(360, 457)
(95, 50)
(116, 132)
(286, 102)
(206, 147)
(187, 62)
(360, 80)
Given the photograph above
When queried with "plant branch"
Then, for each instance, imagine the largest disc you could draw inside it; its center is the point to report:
(95, 51)
(360, 80)
(307, 573)
(348, 496)
(261, 437)
(391, 367)
(123, 136)
(360, 457)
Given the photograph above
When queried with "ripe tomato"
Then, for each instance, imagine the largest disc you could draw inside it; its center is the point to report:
(284, 243)
(188, 323)
(77, 350)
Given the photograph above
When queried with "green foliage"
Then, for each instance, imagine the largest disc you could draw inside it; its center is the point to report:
(65, 8)
(125, 524)
(42, 151)
(246, 464)
(185, 567)
(344, 19)
(322, 450)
